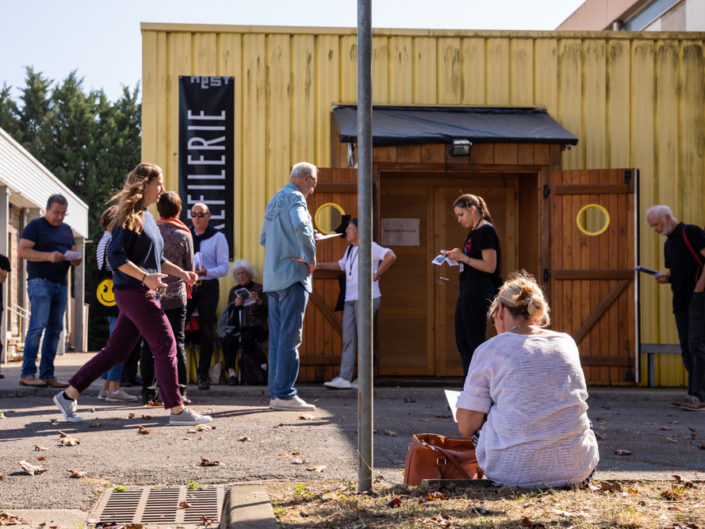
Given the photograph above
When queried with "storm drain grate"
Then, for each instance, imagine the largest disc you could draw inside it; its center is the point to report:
(160, 506)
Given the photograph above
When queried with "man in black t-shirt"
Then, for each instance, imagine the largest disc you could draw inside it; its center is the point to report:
(4, 269)
(685, 256)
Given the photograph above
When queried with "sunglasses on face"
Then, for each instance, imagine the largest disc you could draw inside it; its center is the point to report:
(200, 215)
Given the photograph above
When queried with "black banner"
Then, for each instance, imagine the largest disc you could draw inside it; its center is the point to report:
(206, 152)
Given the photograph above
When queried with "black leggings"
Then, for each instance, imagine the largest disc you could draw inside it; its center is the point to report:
(471, 318)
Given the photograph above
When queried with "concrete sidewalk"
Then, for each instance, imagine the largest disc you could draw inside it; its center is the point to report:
(257, 444)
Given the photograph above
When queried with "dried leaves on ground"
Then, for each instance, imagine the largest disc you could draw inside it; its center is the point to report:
(677, 504)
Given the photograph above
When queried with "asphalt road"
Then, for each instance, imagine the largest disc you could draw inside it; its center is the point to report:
(288, 445)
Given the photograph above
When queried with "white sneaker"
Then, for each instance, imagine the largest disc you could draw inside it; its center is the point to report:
(67, 407)
(338, 383)
(188, 417)
(353, 384)
(102, 394)
(294, 404)
(119, 396)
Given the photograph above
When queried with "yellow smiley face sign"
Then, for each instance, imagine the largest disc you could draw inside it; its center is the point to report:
(104, 293)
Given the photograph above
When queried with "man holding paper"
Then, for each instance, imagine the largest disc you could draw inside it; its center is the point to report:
(48, 245)
(685, 256)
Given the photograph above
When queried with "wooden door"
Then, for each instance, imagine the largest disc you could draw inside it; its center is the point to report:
(416, 318)
(592, 281)
(322, 332)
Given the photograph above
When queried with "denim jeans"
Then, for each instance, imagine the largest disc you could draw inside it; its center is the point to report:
(286, 320)
(48, 303)
(691, 334)
(114, 373)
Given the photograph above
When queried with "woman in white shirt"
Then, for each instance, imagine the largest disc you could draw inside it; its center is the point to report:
(382, 259)
(525, 396)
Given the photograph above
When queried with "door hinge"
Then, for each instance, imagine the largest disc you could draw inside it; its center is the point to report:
(546, 275)
(546, 190)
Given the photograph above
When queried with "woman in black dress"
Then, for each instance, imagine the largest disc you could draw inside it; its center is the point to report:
(479, 261)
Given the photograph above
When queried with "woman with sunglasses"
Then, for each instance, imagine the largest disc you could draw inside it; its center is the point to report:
(479, 261)
(524, 399)
(136, 257)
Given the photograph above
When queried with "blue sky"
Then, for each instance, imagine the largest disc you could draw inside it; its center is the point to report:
(101, 38)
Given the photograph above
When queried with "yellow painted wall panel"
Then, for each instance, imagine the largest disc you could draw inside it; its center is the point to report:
(595, 107)
(425, 79)
(619, 90)
(570, 91)
(450, 71)
(692, 138)
(401, 71)
(161, 80)
(380, 70)
(546, 75)
(474, 71)
(205, 56)
(180, 63)
(327, 93)
(150, 100)
(497, 71)
(348, 69)
(303, 93)
(522, 72)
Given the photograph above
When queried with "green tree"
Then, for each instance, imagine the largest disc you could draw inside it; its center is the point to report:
(9, 113)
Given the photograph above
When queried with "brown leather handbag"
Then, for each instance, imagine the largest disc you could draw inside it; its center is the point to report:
(433, 456)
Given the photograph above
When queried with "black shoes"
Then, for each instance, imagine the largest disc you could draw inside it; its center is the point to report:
(232, 380)
(204, 384)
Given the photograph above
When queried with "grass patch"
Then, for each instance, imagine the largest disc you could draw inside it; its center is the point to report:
(628, 505)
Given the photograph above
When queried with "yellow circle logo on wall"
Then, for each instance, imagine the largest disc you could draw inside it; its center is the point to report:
(104, 293)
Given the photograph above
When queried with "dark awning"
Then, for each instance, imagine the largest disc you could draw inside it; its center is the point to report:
(395, 125)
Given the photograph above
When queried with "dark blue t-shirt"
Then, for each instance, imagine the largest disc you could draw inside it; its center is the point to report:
(48, 238)
(145, 250)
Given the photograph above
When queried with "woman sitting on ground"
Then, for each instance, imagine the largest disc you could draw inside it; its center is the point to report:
(524, 398)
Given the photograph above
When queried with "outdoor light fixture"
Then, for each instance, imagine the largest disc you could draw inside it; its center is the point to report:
(460, 147)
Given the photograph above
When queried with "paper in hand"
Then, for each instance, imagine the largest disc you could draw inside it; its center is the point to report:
(440, 259)
(70, 255)
(645, 270)
(320, 237)
(452, 398)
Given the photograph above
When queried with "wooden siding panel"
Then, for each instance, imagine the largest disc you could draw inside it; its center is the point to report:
(692, 137)
(151, 140)
(278, 158)
(595, 118)
(348, 69)
(425, 80)
(303, 93)
(450, 72)
(401, 71)
(522, 72)
(380, 70)
(179, 45)
(569, 92)
(546, 76)
(327, 90)
(498, 71)
(474, 72)
(618, 109)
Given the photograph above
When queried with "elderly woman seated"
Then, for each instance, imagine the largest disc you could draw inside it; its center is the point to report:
(524, 399)
(246, 324)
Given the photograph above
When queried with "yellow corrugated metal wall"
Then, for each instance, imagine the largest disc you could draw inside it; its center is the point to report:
(633, 99)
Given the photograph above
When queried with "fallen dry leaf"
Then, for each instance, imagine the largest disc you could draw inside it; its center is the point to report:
(687, 484)
(147, 417)
(31, 469)
(693, 433)
(7, 518)
(206, 521)
(396, 502)
(77, 474)
(671, 495)
(599, 436)
(185, 505)
(525, 522)
(208, 463)
(296, 453)
(41, 458)
(306, 417)
(622, 452)
(317, 468)
(67, 440)
(243, 439)
(667, 428)
(283, 455)
(144, 431)
(390, 433)
(297, 461)
(612, 486)
(434, 496)
(409, 400)
(130, 415)
(38, 448)
(96, 425)
(671, 440)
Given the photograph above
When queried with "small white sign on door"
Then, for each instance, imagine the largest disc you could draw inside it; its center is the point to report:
(400, 232)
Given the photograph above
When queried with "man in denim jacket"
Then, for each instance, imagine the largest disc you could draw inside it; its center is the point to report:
(290, 259)
(685, 256)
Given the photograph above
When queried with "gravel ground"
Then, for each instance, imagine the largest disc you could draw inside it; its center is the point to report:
(284, 446)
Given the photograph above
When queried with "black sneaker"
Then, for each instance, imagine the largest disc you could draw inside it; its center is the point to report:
(185, 398)
(148, 396)
(232, 380)
(204, 384)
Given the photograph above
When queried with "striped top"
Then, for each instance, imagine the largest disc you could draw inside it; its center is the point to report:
(101, 250)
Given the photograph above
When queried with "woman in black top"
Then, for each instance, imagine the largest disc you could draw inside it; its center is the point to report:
(479, 274)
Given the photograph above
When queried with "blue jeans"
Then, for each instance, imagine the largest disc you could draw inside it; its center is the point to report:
(286, 320)
(48, 304)
(114, 373)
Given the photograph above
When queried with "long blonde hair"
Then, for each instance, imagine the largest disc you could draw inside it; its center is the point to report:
(130, 210)
(523, 297)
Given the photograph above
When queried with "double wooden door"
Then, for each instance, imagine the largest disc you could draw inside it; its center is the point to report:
(416, 318)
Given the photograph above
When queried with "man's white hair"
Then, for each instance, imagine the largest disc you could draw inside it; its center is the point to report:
(301, 169)
(661, 211)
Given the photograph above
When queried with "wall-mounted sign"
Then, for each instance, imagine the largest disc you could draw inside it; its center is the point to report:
(206, 154)
(400, 232)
